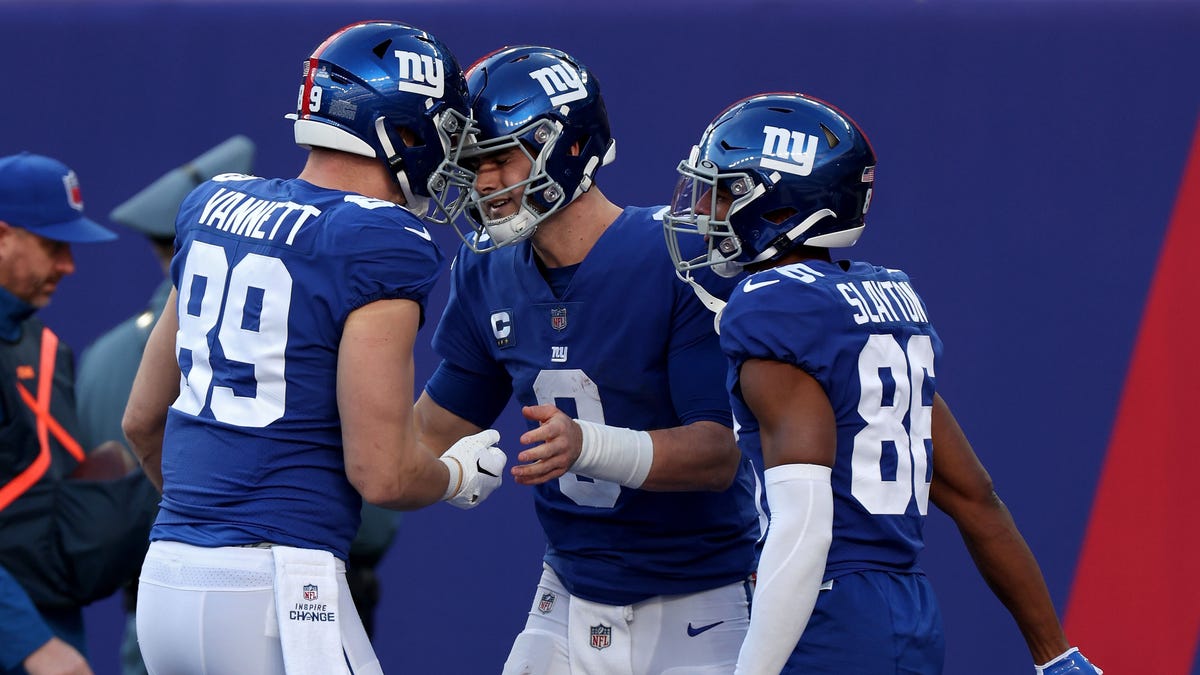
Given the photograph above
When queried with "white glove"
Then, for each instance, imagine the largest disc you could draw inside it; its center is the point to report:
(1070, 662)
(476, 467)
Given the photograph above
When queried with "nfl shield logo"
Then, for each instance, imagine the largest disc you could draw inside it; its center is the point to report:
(546, 603)
(558, 318)
(601, 636)
(310, 592)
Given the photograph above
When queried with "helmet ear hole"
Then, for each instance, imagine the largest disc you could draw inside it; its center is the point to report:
(779, 215)
(410, 138)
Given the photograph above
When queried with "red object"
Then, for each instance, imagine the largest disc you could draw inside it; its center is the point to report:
(1135, 603)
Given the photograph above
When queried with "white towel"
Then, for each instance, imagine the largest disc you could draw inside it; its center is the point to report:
(306, 602)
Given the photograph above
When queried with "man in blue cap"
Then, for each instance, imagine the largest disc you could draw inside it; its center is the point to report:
(68, 538)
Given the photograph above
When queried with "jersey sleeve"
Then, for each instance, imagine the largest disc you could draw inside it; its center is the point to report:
(22, 630)
(388, 255)
(474, 396)
(457, 337)
(696, 366)
(781, 322)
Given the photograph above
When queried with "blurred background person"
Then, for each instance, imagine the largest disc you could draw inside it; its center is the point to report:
(73, 530)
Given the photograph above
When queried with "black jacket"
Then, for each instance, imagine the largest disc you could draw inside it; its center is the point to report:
(67, 541)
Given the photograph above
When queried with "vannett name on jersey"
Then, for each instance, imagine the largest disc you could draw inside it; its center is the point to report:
(239, 213)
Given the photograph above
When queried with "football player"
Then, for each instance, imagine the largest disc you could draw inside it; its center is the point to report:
(833, 370)
(259, 407)
(645, 501)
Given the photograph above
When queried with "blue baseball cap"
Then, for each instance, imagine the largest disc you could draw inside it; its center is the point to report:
(152, 210)
(42, 195)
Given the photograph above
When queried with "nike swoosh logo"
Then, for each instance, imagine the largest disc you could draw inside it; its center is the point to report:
(693, 632)
(423, 233)
(480, 469)
(751, 286)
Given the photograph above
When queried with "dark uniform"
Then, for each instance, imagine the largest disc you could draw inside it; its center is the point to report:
(67, 542)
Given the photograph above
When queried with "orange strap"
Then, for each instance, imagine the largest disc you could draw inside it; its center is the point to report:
(46, 424)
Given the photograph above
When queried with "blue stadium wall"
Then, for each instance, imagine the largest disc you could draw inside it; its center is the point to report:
(1033, 180)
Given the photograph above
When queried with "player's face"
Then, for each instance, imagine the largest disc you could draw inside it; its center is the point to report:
(31, 266)
(497, 171)
(715, 205)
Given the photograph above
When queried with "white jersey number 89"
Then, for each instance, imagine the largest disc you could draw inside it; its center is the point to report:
(223, 296)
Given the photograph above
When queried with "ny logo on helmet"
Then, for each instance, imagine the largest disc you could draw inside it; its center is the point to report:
(421, 74)
(561, 83)
(794, 151)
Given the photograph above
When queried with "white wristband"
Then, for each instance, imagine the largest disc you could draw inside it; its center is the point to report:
(614, 454)
(456, 476)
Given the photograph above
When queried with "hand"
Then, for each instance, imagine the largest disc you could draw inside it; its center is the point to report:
(476, 467)
(561, 441)
(1070, 662)
(108, 461)
(56, 658)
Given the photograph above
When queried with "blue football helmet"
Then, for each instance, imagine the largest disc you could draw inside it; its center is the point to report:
(548, 105)
(792, 171)
(396, 93)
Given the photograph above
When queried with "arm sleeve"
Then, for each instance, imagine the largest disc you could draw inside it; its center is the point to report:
(791, 566)
(22, 630)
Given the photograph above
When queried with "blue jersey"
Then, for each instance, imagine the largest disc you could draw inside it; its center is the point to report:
(863, 333)
(605, 351)
(267, 272)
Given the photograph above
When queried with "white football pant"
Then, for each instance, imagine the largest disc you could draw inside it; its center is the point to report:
(211, 611)
(696, 634)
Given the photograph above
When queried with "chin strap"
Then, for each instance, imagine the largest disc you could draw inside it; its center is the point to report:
(794, 233)
(418, 206)
(710, 301)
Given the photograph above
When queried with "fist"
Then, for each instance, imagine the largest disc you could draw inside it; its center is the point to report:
(109, 461)
(491, 461)
(476, 467)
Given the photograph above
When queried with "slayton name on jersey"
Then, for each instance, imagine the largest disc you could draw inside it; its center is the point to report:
(883, 301)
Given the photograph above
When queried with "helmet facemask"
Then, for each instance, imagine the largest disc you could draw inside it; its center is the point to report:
(448, 184)
(702, 184)
(541, 196)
